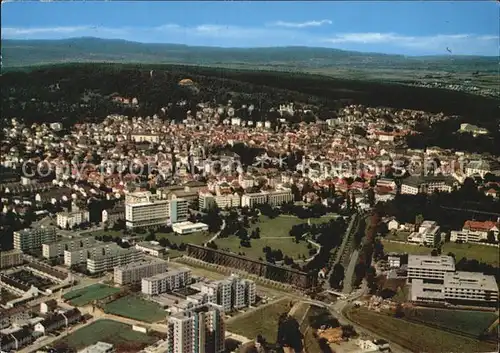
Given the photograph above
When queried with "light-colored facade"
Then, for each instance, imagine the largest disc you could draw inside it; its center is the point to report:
(72, 219)
(253, 199)
(80, 255)
(134, 272)
(152, 248)
(457, 286)
(208, 200)
(427, 234)
(231, 293)
(474, 231)
(429, 268)
(31, 239)
(274, 198)
(115, 257)
(189, 227)
(280, 197)
(99, 347)
(197, 330)
(427, 185)
(10, 258)
(144, 209)
(56, 249)
(166, 282)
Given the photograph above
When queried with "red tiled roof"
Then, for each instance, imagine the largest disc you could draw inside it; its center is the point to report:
(475, 225)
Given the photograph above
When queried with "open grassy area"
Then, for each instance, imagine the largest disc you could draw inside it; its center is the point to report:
(482, 253)
(84, 296)
(281, 225)
(108, 331)
(418, 338)
(287, 245)
(462, 321)
(136, 308)
(262, 321)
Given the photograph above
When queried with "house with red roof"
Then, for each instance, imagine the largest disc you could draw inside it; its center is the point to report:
(475, 231)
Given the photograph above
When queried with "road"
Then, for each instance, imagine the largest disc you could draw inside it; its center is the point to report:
(218, 233)
(349, 273)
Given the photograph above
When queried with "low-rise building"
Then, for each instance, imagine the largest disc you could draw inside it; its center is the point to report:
(10, 258)
(58, 320)
(152, 248)
(429, 268)
(426, 184)
(99, 347)
(16, 315)
(134, 272)
(475, 231)
(189, 227)
(428, 234)
(67, 220)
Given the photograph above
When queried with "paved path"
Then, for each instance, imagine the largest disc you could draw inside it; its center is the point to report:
(218, 233)
(349, 273)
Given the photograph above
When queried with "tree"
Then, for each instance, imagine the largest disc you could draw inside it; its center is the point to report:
(434, 252)
(371, 197)
(491, 237)
(419, 218)
(337, 276)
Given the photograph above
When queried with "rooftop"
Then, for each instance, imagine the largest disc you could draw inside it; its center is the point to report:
(445, 263)
(138, 264)
(470, 280)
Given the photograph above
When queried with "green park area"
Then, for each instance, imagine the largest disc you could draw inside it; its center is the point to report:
(263, 321)
(417, 337)
(471, 323)
(109, 331)
(86, 295)
(136, 308)
(481, 253)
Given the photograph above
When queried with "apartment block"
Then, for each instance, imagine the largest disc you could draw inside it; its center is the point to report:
(429, 268)
(231, 293)
(134, 272)
(274, 198)
(166, 282)
(426, 185)
(31, 239)
(80, 255)
(475, 231)
(72, 219)
(222, 201)
(280, 197)
(57, 249)
(197, 330)
(115, 256)
(10, 258)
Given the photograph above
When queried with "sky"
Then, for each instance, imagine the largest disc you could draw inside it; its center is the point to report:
(392, 27)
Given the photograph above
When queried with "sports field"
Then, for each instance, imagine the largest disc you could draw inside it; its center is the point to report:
(136, 308)
(108, 331)
(84, 296)
(468, 322)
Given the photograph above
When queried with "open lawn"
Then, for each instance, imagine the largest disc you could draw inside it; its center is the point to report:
(84, 296)
(468, 322)
(281, 225)
(108, 331)
(195, 238)
(136, 308)
(287, 245)
(482, 253)
(418, 338)
(262, 321)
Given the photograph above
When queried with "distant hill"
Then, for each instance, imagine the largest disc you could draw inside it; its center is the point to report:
(19, 53)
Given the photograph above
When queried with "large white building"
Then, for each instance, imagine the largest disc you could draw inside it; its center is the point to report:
(72, 219)
(231, 293)
(189, 227)
(426, 185)
(144, 209)
(112, 258)
(134, 272)
(166, 282)
(274, 198)
(99, 347)
(152, 248)
(427, 234)
(197, 330)
(31, 239)
(458, 287)
(56, 249)
(208, 200)
(429, 268)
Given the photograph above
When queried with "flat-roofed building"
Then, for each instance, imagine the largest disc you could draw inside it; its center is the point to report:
(99, 347)
(428, 234)
(144, 209)
(56, 249)
(152, 248)
(189, 227)
(31, 239)
(134, 272)
(279, 197)
(429, 268)
(80, 255)
(10, 258)
(115, 256)
(426, 184)
(253, 199)
(72, 219)
(166, 282)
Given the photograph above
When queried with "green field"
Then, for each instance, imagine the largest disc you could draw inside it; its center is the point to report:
(136, 308)
(108, 331)
(84, 296)
(468, 322)
(416, 337)
(262, 321)
(195, 238)
(482, 253)
(281, 225)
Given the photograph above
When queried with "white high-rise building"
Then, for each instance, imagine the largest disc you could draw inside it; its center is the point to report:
(231, 293)
(166, 282)
(31, 239)
(134, 272)
(197, 330)
(116, 256)
(144, 209)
